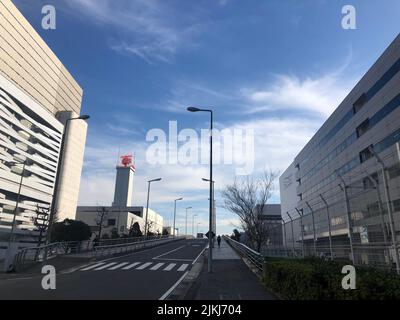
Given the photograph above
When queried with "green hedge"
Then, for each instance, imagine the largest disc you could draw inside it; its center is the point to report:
(317, 279)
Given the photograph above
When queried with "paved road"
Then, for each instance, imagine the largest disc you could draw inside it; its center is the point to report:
(145, 275)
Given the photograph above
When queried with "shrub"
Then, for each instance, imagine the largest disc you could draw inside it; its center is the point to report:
(317, 279)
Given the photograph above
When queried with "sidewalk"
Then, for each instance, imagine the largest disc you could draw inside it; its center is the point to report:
(231, 279)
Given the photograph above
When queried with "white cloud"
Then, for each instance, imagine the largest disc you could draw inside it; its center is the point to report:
(320, 95)
(148, 29)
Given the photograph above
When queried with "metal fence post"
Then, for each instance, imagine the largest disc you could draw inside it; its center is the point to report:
(349, 224)
(391, 221)
(302, 231)
(313, 224)
(378, 193)
(329, 225)
(291, 223)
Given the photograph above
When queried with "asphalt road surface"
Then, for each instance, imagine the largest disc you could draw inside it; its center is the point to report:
(146, 275)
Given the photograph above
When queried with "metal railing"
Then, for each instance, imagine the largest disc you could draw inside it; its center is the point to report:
(374, 255)
(28, 257)
(255, 258)
(31, 256)
(123, 248)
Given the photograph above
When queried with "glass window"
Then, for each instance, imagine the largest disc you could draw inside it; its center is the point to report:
(363, 128)
(111, 222)
(359, 103)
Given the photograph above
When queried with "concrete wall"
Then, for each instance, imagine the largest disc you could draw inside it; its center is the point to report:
(26, 60)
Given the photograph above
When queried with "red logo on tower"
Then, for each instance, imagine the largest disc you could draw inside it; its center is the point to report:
(127, 161)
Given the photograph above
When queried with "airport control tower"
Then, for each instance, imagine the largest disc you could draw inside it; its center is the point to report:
(124, 182)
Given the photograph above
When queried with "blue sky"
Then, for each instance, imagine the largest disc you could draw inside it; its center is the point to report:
(278, 67)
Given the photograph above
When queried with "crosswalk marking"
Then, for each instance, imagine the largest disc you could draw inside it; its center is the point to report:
(118, 266)
(105, 266)
(93, 266)
(144, 266)
(131, 266)
(152, 266)
(157, 266)
(183, 267)
(170, 267)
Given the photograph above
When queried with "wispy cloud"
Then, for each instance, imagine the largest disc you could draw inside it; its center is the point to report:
(318, 95)
(148, 29)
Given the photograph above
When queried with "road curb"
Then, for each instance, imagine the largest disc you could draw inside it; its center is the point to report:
(188, 283)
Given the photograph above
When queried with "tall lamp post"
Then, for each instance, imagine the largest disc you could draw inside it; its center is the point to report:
(194, 215)
(147, 206)
(175, 214)
(60, 164)
(186, 220)
(10, 238)
(193, 109)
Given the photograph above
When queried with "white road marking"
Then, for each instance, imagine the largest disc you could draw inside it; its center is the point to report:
(144, 266)
(118, 266)
(93, 266)
(157, 266)
(105, 266)
(165, 295)
(164, 254)
(170, 267)
(131, 266)
(195, 260)
(183, 267)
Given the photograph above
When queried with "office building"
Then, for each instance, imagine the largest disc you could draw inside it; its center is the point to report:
(338, 173)
(37, 96)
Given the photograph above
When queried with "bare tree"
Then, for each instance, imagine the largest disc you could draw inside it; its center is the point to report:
(246, 198)
(41, 221)
(101, 219)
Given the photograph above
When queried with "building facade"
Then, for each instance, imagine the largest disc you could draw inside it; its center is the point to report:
(339, 183)
(37, 96)
(119, 219)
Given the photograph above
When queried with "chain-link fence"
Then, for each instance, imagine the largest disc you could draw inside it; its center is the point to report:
(356, 220)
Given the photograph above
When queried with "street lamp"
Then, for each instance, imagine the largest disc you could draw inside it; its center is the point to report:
(147, 207)
(193, 109)
(197, 227)
(214, 213)
(10, 238)
(60, 163)
(186, 219)
(195, 215)
(175, 213)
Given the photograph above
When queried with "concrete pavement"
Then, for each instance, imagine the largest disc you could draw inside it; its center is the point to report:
(231, 279)
(146, 275)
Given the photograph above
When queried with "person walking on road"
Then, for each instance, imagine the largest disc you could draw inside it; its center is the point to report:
(219, 241)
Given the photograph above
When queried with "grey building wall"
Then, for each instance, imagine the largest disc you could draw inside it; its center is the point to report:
(368, 117)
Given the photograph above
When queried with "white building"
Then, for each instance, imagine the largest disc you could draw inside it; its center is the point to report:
(120, 219)
(121, 216)
(37, 96)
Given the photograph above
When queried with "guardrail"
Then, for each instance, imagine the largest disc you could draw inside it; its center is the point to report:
(255, 258)
(124, 248)
(28, 257)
